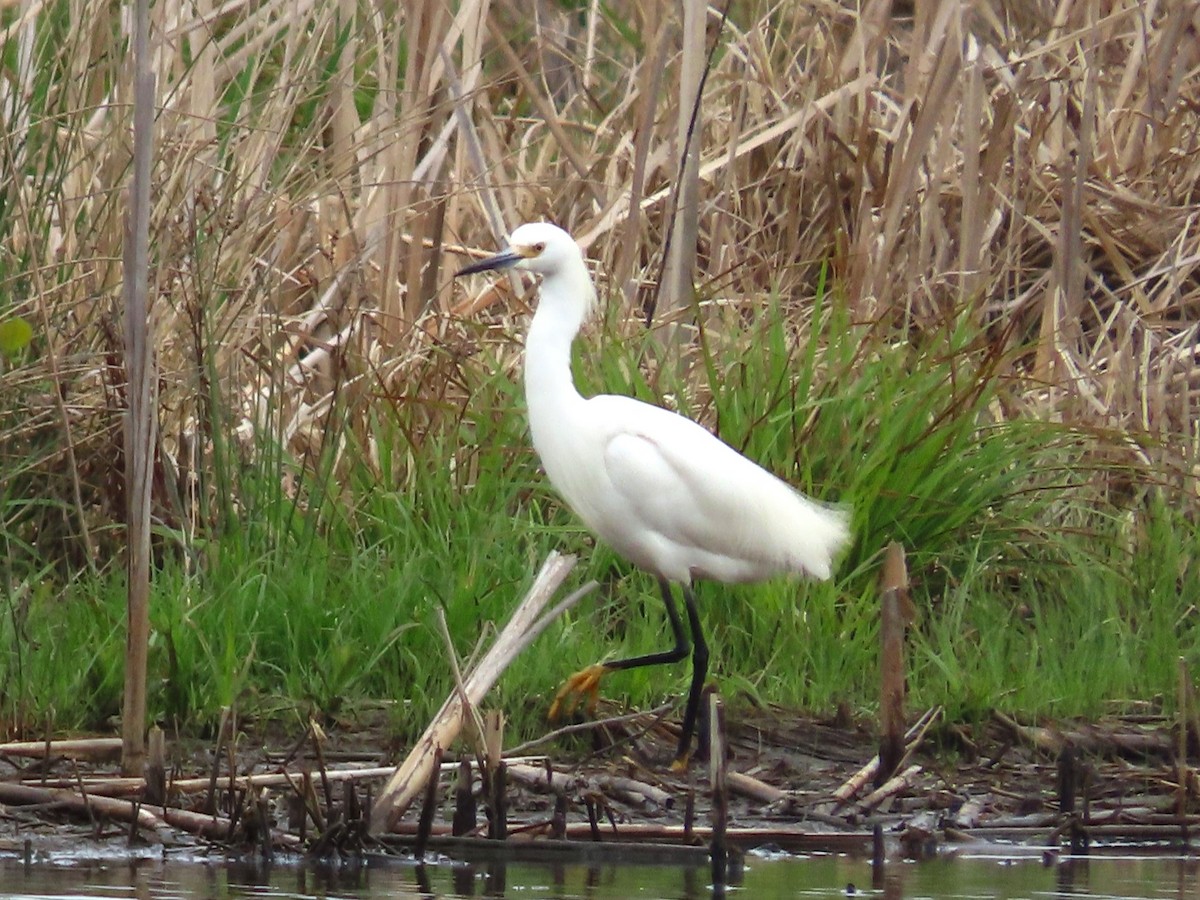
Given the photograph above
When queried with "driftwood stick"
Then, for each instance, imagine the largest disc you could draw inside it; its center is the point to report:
(122, 810)
(912, 738)
(536, 778)
(891, 787)
(83, 748)
(754, 788)
(969, 813)
(915, 736)
(1091, 739)
(524, 626)
(154, 818)
(128, 787)
(638, 793)
(592, 724)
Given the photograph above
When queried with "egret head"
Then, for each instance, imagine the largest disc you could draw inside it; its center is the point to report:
(537, 247)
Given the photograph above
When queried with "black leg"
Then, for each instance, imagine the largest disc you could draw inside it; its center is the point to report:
(676, 653)
(586, 682)
(699, 671)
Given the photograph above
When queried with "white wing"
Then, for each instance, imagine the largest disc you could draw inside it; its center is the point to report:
(695, 504)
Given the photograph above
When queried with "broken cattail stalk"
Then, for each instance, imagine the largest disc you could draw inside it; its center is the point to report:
(1068, 778)
(558, 822)
(464, 801)
(498, 802)
(495, 775)
(223, 727)
(141, 415)
(878, 851)
(262, 824)
(156, 768)
(593, 820)
(896, 613)
(539, 778)
(1182, 771)
(720, 797)
(493, 737)
(522, 629)
(689, 815)
(425, 823)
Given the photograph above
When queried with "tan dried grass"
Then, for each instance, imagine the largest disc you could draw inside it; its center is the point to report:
(1032, 164)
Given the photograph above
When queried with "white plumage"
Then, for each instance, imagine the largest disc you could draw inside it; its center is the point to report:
(661, 490)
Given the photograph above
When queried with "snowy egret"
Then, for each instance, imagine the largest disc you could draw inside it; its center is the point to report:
(660, 489)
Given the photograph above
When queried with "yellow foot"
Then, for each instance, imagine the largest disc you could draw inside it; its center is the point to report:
(583, 684)
(681, 762)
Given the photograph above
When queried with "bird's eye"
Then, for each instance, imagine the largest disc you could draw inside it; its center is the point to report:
(539, 247)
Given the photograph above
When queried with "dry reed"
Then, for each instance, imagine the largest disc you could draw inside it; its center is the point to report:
(322, 167)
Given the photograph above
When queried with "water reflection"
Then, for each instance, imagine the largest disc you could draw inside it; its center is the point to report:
(1027, 875)
(1065, 874)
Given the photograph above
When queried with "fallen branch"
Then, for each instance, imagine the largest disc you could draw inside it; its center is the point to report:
(634, 792)
(755, 788)
(128, 787)
(82, 748)
(151, 818)
(537, 778)
(592, 724)
(1091, 739)
(912, 739)
(891, 787)
(522, 629)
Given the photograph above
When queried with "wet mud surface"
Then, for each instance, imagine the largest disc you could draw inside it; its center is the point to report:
(792, 783)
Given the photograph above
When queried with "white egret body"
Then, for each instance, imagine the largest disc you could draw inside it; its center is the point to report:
(662, 491)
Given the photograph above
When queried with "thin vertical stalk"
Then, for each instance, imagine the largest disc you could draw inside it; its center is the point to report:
(685, 229)
(139, 416)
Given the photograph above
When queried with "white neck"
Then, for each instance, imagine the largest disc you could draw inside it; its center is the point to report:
(566, 297)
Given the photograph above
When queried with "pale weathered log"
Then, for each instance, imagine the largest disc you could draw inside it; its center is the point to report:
(128, 787)
(891, 787)
(524, 626)
(912, 739)
(152, 818)
(538, 779)
(969, 813)
(81, 748)
(633, 791)
(1091, 739)
(754, 788)
(73, 800)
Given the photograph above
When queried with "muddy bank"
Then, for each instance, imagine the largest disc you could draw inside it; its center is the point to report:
(792, 782)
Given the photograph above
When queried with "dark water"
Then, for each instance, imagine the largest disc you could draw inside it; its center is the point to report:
(822, 876)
